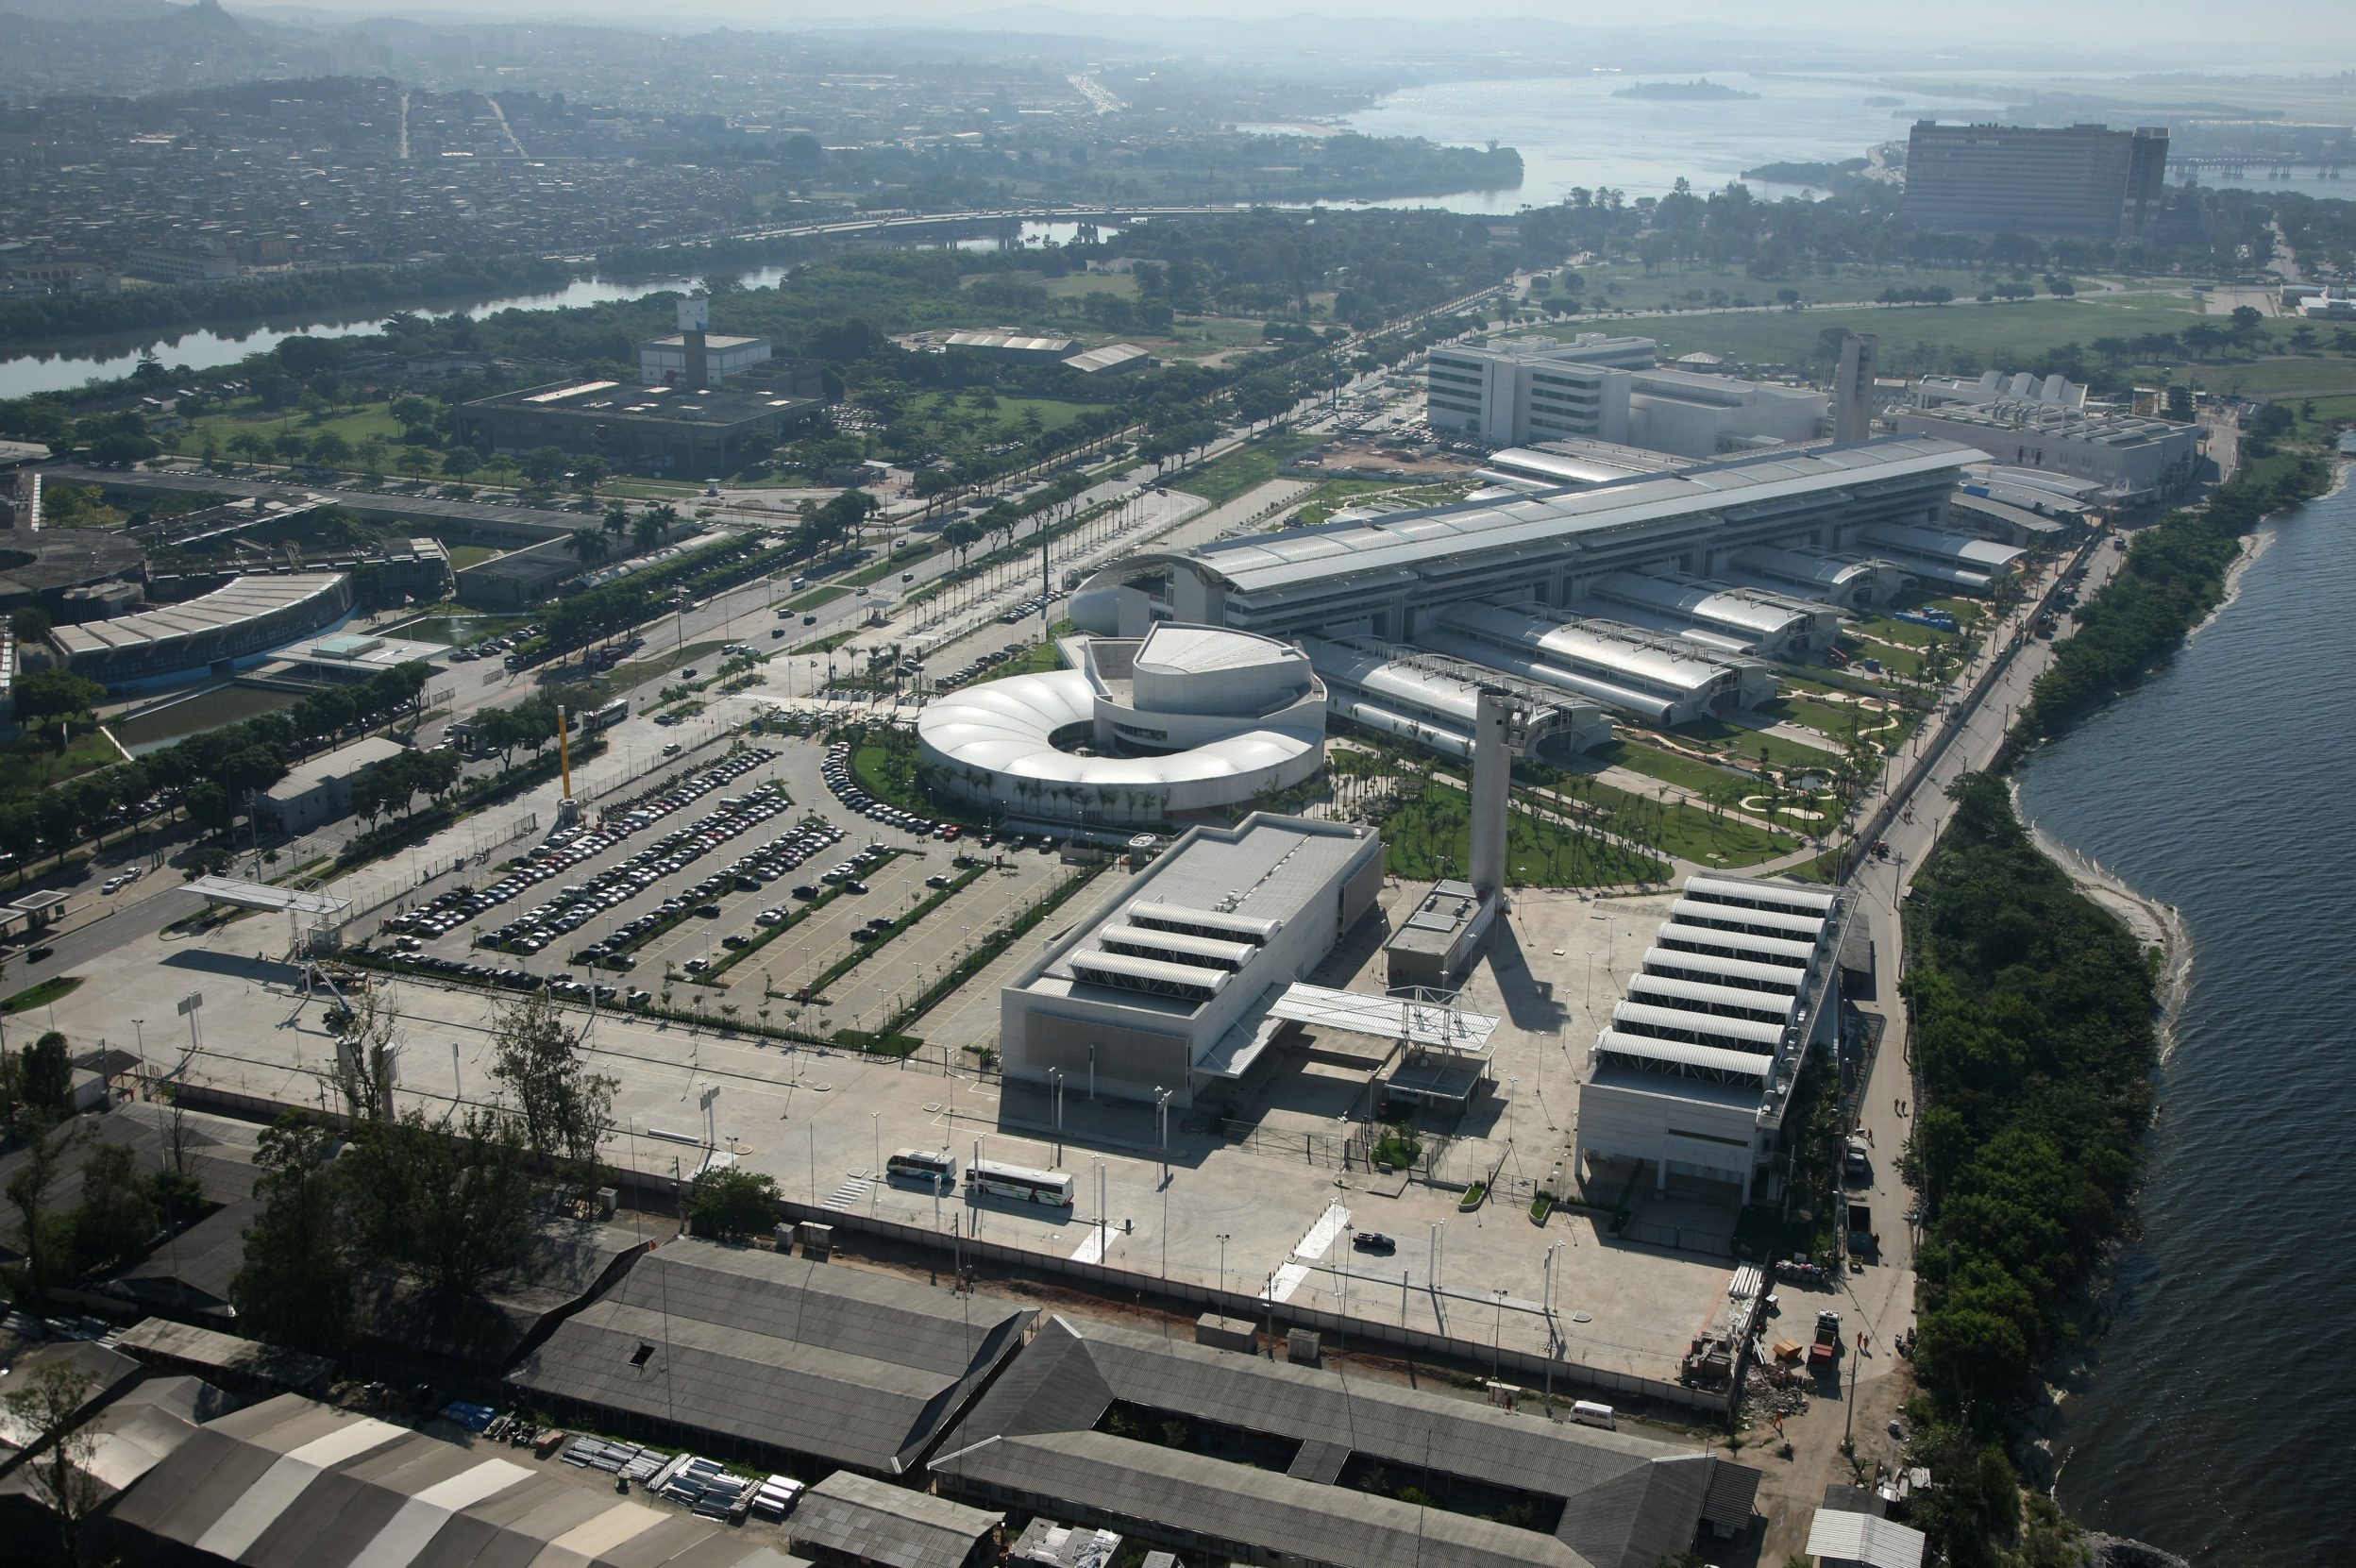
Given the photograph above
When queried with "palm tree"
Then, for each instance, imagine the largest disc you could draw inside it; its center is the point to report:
(587, 546)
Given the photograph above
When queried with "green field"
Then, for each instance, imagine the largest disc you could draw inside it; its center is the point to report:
(29, 766)
(1627, 287)
(1251, 464)
(41, 995)
(1672, 768)
(1054, 412)
(464, 556)
(1431, 836)
(246, 414)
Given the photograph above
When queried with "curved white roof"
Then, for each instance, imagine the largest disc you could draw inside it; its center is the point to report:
(1008, 727)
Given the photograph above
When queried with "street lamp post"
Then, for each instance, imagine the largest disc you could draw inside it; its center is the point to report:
(1497, 1339)
(1222, 1262)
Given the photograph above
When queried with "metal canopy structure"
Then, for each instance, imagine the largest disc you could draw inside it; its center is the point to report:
(1420, 1021)
(261, 896)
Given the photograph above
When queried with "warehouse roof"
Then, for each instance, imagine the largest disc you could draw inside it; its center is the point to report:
(1627, 1502)
(873, 1520)
(1863, 1537)
(242, 599)
(782, 1353)
(293, 1481)
(328, 768)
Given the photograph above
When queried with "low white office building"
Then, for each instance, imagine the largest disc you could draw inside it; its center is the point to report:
(2131, 458)
(1170, 988)
(1518, 390)
(320, 790)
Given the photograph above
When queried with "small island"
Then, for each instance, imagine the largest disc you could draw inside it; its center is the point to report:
(1699, 87)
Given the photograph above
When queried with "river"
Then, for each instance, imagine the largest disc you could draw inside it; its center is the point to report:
(28, 373)
(2214, 1421)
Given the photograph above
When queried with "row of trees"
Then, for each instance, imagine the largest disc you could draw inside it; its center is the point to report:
(2034, 1045)
(211, 774)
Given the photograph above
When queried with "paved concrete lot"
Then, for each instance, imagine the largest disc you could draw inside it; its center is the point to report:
(1263, 1208)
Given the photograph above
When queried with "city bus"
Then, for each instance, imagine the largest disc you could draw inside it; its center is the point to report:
(988, 1177)
(931, 1168)
(605, 717)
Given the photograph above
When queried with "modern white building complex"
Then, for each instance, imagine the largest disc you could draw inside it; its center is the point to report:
(1183, 720)
(1535, 388)
(2131, 458)
(1172, 987)
(1594, 387)
(241, 620)
(1659, 597)
(670, 361)
(1432, 700)
(1692, 1077)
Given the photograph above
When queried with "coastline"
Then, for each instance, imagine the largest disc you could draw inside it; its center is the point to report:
(2259, 540)
(2155, 925)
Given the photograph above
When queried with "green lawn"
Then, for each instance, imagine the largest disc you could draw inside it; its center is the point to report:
(1628, 288)
(1054, 412)
(464, 556)
(816, 597)
(1690, 833)
(1674, 768)
(1431, 836)
(247, 414)
(41, 995)
(29, 766)
(1913, 335)
(624, 676)
(1251, 464)
(1717, 735)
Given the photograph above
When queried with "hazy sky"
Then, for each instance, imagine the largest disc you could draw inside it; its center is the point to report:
(2139, 34)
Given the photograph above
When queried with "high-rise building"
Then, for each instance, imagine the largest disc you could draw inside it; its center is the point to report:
(2089, 181)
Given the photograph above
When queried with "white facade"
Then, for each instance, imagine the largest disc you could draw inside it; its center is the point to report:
(1676, 411)
(1690, 1077)
(663, 362)
(2131, 457)
(1170, 988)
(1191, 718)
(1534, 389)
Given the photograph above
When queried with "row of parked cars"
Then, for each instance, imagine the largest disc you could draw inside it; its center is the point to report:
(579, 904)
(518, 980)
(981, 666)
(1032, 605)
(563, 850)
(836, 770)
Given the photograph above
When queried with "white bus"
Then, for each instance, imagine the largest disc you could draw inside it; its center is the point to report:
(988, 1177)
(931, 1168)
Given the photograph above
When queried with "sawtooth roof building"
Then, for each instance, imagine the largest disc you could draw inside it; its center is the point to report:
(1691, 1079)
(1071, 1431)
(784, 1357)
(1172, 985)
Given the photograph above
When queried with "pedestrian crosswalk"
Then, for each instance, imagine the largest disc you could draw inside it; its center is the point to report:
(848, 1196)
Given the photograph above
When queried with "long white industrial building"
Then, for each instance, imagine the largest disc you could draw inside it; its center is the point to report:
(1692, 1077)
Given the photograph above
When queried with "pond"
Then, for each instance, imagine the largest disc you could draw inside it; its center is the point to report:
(455, 630)
(194, 714)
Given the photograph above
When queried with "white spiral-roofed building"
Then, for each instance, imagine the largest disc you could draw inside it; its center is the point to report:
(1186, 719)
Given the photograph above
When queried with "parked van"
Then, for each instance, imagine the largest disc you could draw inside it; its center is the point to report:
(1588, 1413)
(797, 584)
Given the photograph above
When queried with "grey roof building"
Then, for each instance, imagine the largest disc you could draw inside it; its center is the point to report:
(854, 1519)
(784, 1358)
(291, 1482)
(1325, 1455)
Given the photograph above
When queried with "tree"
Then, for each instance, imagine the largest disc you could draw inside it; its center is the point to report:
(38, 1236)
(48, 1074)
(587, 546)
(43, 695)
(294, 1287)
(565, 1109)
(453, 1204)
(209, 806)
(544, 466)
(589, 473)
(29, 623)
(116, 1219)
(367, 1049)
(732, 1204)
(53, 1406)
(460, 461)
